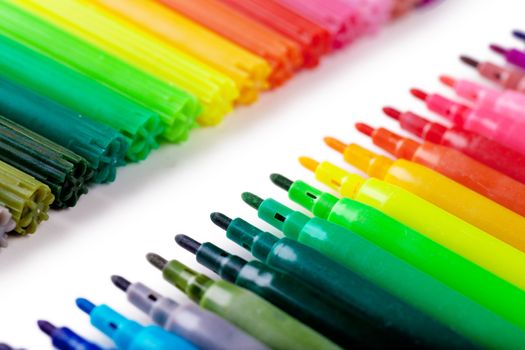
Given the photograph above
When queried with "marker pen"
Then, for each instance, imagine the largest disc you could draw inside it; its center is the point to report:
(128, 334)
(200, 327)
(449, 162)
(64, 338)
(507, 102)
(396, 276)
(512, 56)
(289, 294)
(428, 219)
(484, 150)
(390, 314)
(503, 129)
(507, 77)
(7, 224)
(421, 252)
(443, 192)
(242, 308)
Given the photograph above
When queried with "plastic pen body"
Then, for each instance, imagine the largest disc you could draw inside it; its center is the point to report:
(246, 310)
(506, 77)
(202, 328)
(484, 150)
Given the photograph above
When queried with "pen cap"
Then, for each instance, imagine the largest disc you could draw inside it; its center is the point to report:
(373, 164)
(114, 325)
(258, 242)
(394, 144)
(150, 302)
(187, 280)
(219, 261)
(318, 202)
(289, 221)
(453, 111)
(340, 180)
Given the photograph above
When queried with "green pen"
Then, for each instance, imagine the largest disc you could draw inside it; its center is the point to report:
(63, 171)
(446, 266)
(244, 309)
(103, 147)
(389, 314)
(461, 314)
(140, 126)
(331, 319)
(177, 109)
(27, 199)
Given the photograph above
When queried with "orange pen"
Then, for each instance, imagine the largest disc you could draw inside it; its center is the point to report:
(284, 55)
(453, 164)
(250, 72)
(439, 190)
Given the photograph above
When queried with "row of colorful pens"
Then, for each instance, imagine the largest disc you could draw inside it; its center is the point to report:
(87, 86)
(426, 253)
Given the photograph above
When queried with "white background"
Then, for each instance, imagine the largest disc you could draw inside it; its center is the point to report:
(174, 191)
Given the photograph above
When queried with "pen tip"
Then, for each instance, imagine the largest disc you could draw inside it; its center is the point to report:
(85, 305)
(120, 282)
(469, 61)
(447, 80)
(188, 243)
(281, 181)
(252, 200)
(220, 220)
(497, 49)
(156, 260)
(392, 112)
(420, 94)
(519, 34)
(335, 144)
(364, 129)
(46, 327)
(309, 163)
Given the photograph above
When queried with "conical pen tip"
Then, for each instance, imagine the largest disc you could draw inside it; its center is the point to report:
(220, 220)
(281, 181)
(46, 327)
(309, 163)
(364, 129)
(120, 282)
(188, 243)
(335, 144)
(156, 260)
(85, 305)
(418, 93)
(252, 200)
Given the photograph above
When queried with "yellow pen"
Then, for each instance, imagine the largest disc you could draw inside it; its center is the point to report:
(428, 219)
(440, 190)
(142, 49)
(250, 72)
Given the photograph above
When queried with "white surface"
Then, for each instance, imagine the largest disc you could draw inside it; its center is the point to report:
(174, 191)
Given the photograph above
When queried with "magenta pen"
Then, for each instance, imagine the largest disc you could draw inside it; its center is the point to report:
(506, 130)
(512, 56)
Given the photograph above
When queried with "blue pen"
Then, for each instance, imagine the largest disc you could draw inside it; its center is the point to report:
(128, 334)
(64, 338)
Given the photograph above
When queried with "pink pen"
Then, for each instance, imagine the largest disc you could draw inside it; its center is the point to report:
(506, 130)
(512, 56)
(510, 103)
(339, 17)
(506, 77)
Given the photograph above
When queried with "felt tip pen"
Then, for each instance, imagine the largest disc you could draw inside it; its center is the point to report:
(444, 265)
(503, 129)
(472, 207)
(484, 150)
(384, 269)
(244, 309)
(451, 163)
(512, 56)
(390, 314)
(64, 338)
(507, 102)
(202, 328)
(287, 293)
(128, 334)
(425, 217)
(506, 77)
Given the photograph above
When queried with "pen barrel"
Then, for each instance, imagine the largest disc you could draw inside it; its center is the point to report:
(418, 289)
(506, 77)
(397, 319)
(63, 171)
(489, 152)
(478, 177)
(515, 57)
(261, 319)
(27, 199)
(66, 339)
